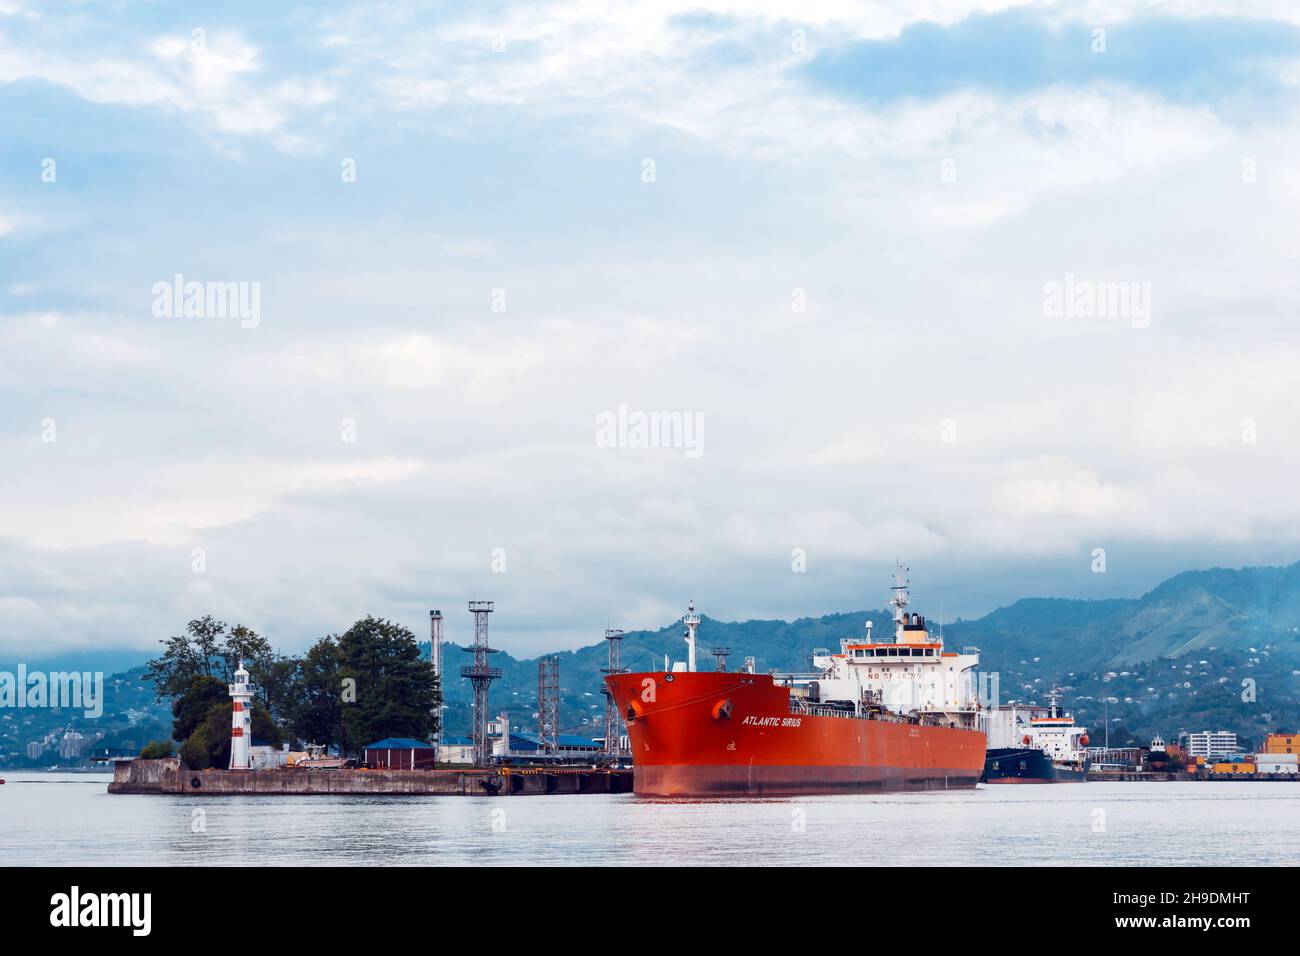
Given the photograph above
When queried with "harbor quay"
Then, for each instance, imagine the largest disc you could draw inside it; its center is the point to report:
(167, 777)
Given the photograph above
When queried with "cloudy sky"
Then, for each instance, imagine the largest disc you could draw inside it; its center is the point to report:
(824, 235)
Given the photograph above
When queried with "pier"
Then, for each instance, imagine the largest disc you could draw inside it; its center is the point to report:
(167, 777)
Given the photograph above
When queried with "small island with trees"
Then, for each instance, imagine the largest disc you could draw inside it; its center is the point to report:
(348, 690)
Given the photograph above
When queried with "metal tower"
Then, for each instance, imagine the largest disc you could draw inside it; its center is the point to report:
(480, 675)
(435, 660)
(548, 703)
(613, 722)
(692, 621)
(720, 657)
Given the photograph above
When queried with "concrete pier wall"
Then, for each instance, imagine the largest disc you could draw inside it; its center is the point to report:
(167, 777)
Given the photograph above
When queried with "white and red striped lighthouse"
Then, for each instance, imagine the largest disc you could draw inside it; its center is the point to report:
(241, 720)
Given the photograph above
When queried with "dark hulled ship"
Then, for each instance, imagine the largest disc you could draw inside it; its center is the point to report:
(1034, 745)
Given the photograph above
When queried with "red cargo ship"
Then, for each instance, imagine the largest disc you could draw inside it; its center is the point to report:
(877, 716)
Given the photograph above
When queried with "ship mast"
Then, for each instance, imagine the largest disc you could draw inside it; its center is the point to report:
(1053, 701)
(899, 599)
(692, 621)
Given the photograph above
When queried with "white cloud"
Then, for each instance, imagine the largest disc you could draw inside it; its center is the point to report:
(475, 429)
(166, 504)
(218, 76)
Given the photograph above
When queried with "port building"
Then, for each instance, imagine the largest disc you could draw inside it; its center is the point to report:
(400, 753)
(532, 748)
(1209, 744)
(264, 755)
(456, 750)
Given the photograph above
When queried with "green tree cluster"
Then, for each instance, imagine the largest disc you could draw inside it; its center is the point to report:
(346, 691)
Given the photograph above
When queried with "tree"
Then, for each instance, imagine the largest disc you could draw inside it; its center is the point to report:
(193, 666)
(316, 702)
(274, 684)
(209, 744)
(191, 707)
(206, 635)
(271, 674)
(396, 692)
(244, 645)
(347, 690)
(1121, 736)
(172, 672)
(157, 749)
(198, 654)
(195, 753)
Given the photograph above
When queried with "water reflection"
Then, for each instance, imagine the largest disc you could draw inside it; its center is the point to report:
(70, 819)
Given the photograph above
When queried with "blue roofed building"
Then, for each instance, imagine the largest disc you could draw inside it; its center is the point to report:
(400, 753)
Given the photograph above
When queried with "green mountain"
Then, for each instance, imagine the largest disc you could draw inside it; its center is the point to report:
(1216, 649)
(1188, 614)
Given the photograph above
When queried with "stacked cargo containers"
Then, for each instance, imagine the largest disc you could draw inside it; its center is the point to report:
(1282, 744)
(1277, 764)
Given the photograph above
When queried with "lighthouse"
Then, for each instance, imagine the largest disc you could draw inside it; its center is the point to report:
(241, 720)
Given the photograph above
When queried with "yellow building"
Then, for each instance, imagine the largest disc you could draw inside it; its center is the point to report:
(1282, 744)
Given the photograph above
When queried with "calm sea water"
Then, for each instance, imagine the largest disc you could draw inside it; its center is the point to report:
(70, 819)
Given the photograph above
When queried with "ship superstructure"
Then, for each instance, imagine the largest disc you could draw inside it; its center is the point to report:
(912, 675)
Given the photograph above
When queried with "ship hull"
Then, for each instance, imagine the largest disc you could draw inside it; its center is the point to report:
(759, 780)
(1022, 765)
(721, 735)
